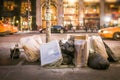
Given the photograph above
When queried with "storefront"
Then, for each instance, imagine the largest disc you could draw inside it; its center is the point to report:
(92, 15)
(112, 16)
(53, 15)
(27, 13)
(71, 13)
(25, 18)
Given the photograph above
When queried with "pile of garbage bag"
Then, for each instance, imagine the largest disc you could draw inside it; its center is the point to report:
(77, 50)
(31, 47)
(98, 58)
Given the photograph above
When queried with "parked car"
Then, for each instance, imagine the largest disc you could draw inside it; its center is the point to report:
(55, 29)
(110, 32)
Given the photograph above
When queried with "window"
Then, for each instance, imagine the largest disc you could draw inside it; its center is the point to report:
(9, 5)
(25, 6)
(71, 12)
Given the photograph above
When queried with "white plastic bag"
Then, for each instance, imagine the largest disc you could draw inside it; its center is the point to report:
(99, 46)
(51, 54)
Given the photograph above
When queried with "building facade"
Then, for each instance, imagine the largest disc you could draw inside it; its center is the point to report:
(20, 13)
(79, 13)
(31, 14)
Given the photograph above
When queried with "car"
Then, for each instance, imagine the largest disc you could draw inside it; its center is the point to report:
(7, 28)
(110, 32)
(3, 29)
(12, 29)
(55, 29)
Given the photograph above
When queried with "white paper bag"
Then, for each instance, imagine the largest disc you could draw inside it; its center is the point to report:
(81, 50)
(31, 46)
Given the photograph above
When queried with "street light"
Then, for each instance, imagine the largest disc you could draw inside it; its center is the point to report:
(48, 21)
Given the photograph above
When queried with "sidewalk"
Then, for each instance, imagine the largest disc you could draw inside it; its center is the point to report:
(33, 71)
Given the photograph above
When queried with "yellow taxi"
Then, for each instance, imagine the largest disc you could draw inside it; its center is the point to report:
(110, 32)
(7, 29)
(3, 28)
(12, 29)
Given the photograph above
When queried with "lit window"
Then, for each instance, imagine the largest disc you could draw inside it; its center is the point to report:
(111, 0)
(93, 1)
(25, 6)
(9, 5)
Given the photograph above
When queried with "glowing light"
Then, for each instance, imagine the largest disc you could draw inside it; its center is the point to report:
(111, 0)
(17, 21)
(54, 17)
(91, 0)
(115, 22)
(107, 18)
(81, 22)
(72, 1)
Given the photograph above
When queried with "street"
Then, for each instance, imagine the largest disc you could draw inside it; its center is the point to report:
(19, 69)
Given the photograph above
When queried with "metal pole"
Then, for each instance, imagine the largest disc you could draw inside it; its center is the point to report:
(48, 21)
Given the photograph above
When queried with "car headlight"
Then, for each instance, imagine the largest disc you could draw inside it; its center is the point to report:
(106, 31)
(99, 31)
(103, 31)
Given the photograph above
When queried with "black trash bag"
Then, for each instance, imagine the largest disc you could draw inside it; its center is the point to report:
(96, 61)
(68, 47)
(67, 50)
(67, 59)
(111, 56)
(15, 52)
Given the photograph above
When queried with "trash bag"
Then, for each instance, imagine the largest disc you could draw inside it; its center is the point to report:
(97, 61)
(99, 46)
(67, 59)
(81, 46)
(51, 54)
(80, 54)
(14, 52)
(68, 50)
(68, 46)
(111, 56)
(31, 47)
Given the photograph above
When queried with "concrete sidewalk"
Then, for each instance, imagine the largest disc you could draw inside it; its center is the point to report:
(19, 71)
(37, 73)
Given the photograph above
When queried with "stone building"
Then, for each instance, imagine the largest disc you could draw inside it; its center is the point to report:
(79, 13)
